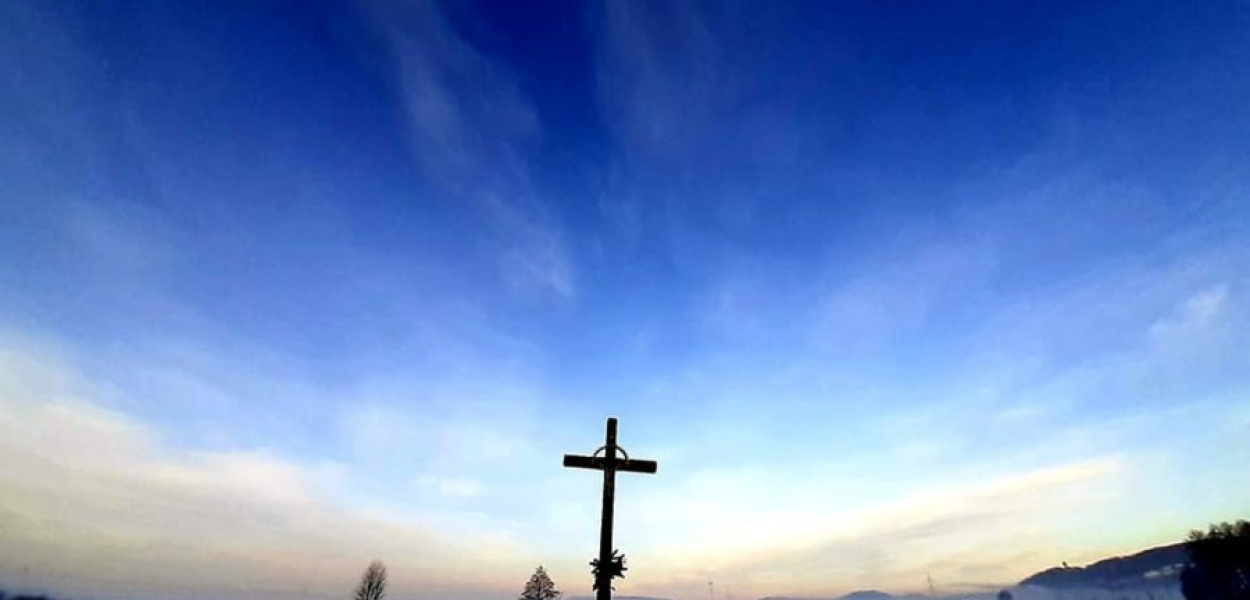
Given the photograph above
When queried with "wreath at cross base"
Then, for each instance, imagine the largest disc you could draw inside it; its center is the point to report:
(615, 568)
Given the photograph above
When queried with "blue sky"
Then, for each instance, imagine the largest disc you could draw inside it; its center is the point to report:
(889, 289)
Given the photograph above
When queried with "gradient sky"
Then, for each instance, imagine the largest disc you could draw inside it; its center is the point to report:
(888, 288)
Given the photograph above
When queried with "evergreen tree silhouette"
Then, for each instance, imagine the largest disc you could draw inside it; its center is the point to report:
(540, 587)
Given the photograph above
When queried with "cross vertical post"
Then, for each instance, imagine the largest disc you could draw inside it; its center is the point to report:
(607, 512)
(608, 565)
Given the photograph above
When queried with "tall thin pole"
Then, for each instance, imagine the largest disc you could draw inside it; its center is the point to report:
(605, 523)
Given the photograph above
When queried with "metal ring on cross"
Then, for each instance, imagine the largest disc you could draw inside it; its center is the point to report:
(618, 447)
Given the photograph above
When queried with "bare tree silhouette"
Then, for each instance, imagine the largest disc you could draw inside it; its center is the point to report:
(540, 587)
(373, 583)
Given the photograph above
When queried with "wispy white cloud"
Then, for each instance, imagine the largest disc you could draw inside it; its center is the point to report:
(902, 296)
(1200, 329)
(470, 128)
(98, 500)
(455, 487)
(811, 539)
(656, 63)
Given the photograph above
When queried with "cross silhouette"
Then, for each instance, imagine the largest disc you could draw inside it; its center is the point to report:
(608, 565)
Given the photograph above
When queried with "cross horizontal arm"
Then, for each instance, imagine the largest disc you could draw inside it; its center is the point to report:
(583, 462)
(637, 466)
(598, 462)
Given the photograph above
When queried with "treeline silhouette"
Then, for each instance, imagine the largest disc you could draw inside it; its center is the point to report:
(1219, 563)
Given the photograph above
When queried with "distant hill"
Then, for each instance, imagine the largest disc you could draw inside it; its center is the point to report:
(615, 597)
(856, 595)
(1153, 567)
(872, 595)
(867, 595)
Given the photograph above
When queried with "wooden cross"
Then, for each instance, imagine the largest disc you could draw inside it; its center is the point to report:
(609, 464)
